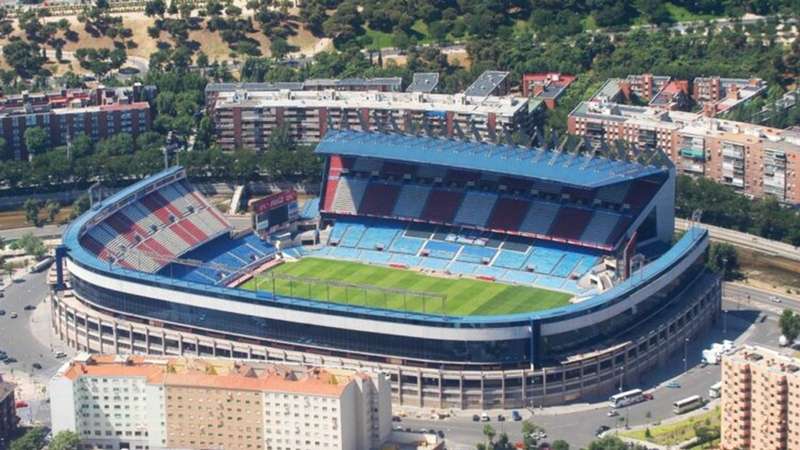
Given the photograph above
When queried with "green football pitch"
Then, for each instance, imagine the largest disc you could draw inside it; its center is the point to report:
(400, 289)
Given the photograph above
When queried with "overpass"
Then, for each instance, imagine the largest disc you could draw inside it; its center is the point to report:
(746, 240)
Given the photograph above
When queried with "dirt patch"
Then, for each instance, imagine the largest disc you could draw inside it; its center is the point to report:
(769, 272)
(16, 219)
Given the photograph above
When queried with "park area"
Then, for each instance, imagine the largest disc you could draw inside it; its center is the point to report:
(703, 427)
(401, 289)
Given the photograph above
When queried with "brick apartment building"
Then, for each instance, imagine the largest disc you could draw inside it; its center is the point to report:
(97, 113)
(752, 159)
(245, 115)
(8, 412)
(547, 86)
(136, 403)
(760, 400)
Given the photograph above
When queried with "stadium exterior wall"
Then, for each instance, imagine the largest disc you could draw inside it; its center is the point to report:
(84, 327)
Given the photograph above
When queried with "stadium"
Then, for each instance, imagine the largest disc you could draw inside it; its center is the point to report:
(476, 275)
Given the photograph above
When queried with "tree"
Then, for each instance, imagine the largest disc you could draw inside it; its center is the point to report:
(560, 445)
(65, 440)
(79, 206)
(32, 208)
(36, 140)
(724, 259)
(490, 433)
(789, 323)
(612, 443)
(52, 208)
(33, 439)
(26, 58)
(32, 245)
(155, 8)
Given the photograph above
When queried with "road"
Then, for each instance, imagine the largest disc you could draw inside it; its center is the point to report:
(45, 231)
(577, 424)
(20, 342)
(746, 240)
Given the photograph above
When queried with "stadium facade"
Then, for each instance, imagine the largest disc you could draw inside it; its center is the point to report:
(155, 269)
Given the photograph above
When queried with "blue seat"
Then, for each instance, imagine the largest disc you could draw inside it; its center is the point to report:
(443, 250)
(510, 259)
(475, 254)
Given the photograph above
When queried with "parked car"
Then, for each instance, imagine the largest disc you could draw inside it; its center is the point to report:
(60, 355)
(2, 312)
(647, 396)
(394, 418)
(29, 307)
(674, 385)
(476, 418)
(601, 429)
(485, 417)
(612, 413)
(515, 415)
(36, 366)
(10, 360)
(774, 299)
(440, 433)
(13, 315)
(501, 418)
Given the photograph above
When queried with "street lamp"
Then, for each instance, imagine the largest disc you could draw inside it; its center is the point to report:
(685, 354)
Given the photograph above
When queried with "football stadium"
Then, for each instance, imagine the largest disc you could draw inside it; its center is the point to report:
(475, 275)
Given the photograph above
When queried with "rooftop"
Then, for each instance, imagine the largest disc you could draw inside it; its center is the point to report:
(417, 101)
(423, 82)
(641, 115)
(486, 83)
(211, 373)
(571, 169)
(766, 358)
(389, 83)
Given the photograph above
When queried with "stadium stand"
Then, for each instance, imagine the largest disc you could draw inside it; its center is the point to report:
(411, 200)
(379, 199)
(570, 223)
(349, 193)
(442, 205)
(508, 214)
(540, 217)
(476, 208)
(150, 232)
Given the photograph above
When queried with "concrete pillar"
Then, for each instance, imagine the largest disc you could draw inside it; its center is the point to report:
(197, 346)
(147, 340)
(461, 390)
(116, 338)
(420, 400)
(483, 394)
(441, 391)
(163, 343)
(400, 385)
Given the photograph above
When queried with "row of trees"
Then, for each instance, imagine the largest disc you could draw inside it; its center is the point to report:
(724, 207)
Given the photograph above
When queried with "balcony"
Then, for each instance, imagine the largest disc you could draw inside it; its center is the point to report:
(693, 153)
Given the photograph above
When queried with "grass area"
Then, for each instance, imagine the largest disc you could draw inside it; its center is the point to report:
(379, 39)
(464, 297)
(681, 14)
(676, 432)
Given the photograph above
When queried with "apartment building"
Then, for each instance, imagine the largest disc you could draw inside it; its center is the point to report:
(135, 402)
(97, 113)
(726, 93)
(643, 87)
(8, 411)
(760, 400)
(752, 159)
(644, 127)
(245, 116)
(547, 86)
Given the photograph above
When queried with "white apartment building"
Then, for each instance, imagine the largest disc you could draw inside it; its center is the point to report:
(142, 403)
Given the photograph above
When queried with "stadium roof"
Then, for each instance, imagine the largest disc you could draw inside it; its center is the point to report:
(564, 168)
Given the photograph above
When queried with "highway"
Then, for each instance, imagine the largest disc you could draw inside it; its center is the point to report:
(746, 240)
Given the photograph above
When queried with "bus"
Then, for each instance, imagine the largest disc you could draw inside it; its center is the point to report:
(714, 390)
(626, 398)
(687, 404)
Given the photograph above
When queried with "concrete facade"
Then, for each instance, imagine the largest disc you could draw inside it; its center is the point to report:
(8, 411)
(137, 402)
(760, 392)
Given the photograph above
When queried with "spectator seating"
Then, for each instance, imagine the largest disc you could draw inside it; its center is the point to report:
(349, 193)
(442, 205)
(154, 230)
(508, 214)
(539, 218)
(476, 208)
(411, 200)
(570, 223)
(379, 199)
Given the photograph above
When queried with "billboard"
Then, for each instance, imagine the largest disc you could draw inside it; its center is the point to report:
(274, 212)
